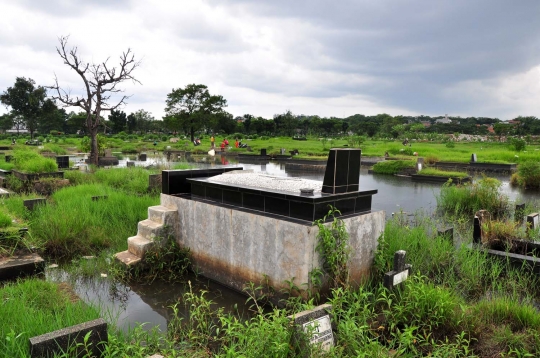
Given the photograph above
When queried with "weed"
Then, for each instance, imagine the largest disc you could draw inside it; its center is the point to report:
(392, 166)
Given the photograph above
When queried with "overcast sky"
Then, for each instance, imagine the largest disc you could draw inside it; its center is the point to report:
(329, 58)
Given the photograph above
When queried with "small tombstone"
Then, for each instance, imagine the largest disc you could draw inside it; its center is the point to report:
(317, 325)
(473, 158)
(532, 221)
(519, 212)
(477, 230)
(142, 157)
(263, 152)
(8, 158)
(400, 273)
(108, 152)
(447, 232)
(99, 197)
(282, 151)
(31, 204)
(130, 164)
(419, 164)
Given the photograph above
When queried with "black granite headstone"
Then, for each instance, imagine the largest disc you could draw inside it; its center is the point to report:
(31, 204)
(62, 161)
(342, 173)
(473, 158)
(263, 152)
(142, 157)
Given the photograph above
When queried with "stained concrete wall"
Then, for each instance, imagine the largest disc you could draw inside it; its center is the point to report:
(236, 247)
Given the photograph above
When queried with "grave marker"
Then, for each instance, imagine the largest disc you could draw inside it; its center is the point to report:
(477, 230)
(130, 164)
(419, 164)
(31, 204)
(532, 222)
(400, 273)
(317, 325)
(474, 159)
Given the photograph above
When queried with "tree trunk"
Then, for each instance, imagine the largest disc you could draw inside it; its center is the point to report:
(94, 150)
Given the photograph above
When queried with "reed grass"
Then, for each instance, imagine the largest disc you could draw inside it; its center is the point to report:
(73, 224)
(33, 307)
(392, 166)
(443, 173)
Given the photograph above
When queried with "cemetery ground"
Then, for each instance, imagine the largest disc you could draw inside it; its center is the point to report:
(456, 303)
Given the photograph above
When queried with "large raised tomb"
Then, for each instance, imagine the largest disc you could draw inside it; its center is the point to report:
(243, 227)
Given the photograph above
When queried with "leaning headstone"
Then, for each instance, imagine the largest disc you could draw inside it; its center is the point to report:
(315, 325)
(130, 164)
(31, 204)
(57, 342)
(419, 164)
(532, 221)
(519, 212)
(473, 158)
(400, 273)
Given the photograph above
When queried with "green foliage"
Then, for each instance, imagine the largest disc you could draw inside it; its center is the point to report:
(528, 175)
(6, 166)
(467, 199)
(443, 173)
(29, 161)
(92, 225)
(333, 247)
(5, 220)
(518, 144)
(33, 307)
(392, 166)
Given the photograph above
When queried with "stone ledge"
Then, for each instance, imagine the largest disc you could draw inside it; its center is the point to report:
(60, 341)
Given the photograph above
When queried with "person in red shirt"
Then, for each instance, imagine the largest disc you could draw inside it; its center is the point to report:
(236, 143)
(223, 146)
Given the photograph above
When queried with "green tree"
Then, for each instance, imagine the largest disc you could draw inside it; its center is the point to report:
(6, 122)
(28, 101)
(100, 82)
(194, 107)
(118, 121)
(143, 120)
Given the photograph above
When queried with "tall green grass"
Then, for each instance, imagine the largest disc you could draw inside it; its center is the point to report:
(73, 224)
(392, 166)
(33, 307)
(133, 180)
(29, 161)
(465, 200)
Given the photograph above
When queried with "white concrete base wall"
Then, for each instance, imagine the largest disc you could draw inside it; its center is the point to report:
(235, 247)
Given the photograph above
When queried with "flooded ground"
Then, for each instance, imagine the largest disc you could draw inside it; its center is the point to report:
(151, 303)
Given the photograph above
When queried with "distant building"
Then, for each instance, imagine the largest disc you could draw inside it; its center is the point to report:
(444, 120)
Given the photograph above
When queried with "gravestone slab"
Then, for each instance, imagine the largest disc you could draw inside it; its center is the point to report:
(532, 221)
(142, 157)
(31, 204)
(316, 325)
(419, 164)
(130, 164)
(342, 174)
(263, 152)
(59, 341)
(21, 266)
(477, 230)
(400, 273)
(474, 159)
(108, 152)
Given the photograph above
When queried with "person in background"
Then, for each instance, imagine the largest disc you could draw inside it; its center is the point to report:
(226, 142)
(236, 143)
(223, 146)
(212, 140)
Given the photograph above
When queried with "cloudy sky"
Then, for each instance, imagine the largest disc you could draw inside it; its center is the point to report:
(330, 58)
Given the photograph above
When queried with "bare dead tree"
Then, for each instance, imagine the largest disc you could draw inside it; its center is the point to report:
(100, 84)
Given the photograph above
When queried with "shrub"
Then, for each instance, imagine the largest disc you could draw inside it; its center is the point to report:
(5, 220)
(528, 175)
(431, 159)
(518, 144)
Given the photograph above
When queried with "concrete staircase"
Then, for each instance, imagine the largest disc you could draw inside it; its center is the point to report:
(150, 232)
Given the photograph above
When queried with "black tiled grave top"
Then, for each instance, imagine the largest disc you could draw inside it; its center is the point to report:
(175, 181)
(282, 203)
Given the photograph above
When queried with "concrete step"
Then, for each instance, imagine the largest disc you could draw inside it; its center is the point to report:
(149, 229)
(162, 214)
(127, 258)
(138, 245)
